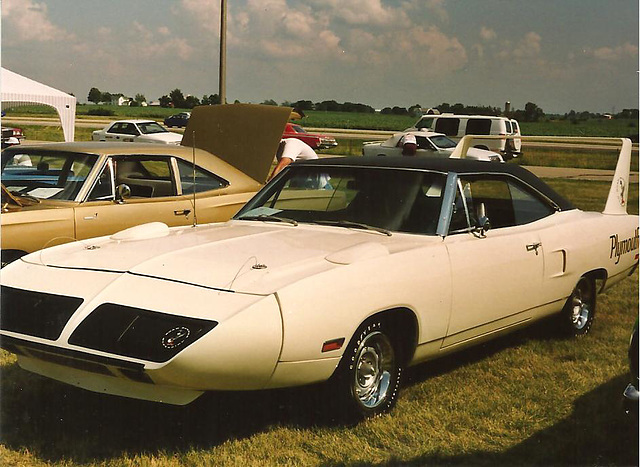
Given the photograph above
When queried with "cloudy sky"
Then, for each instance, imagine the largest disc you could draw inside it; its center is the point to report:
(559, 54)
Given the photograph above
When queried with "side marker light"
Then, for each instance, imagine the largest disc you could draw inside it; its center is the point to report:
(333, 344)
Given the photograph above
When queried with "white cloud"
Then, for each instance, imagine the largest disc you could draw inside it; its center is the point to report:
(487, 34)
(611, 54)
(28, 20)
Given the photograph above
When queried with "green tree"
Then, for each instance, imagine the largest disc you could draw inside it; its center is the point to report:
(269, 102)
(94, 96)
(165, 101)
(532, 113)
(177, 98)
(191, 101)
(140, 99)
(106, 97)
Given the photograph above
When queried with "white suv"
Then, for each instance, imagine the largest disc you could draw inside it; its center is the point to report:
(456, 126)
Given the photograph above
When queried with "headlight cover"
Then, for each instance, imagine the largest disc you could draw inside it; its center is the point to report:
(138, 333)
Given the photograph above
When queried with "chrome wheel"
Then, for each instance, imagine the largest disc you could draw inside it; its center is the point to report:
(580, 308)
(374, 368)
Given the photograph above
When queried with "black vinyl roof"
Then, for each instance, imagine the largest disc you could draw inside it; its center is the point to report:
(446, 165)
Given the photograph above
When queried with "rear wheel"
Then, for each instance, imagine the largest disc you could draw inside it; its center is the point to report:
(369, 373)
(579, 311)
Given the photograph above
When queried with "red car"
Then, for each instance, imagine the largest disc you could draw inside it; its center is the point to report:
(315, 141)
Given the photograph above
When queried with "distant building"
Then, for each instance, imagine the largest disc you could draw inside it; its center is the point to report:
(124, 100)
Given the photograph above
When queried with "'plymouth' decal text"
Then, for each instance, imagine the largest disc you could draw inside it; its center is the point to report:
(621, 247)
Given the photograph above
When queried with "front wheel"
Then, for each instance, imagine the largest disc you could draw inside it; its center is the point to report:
(579, 311)
(369, 373)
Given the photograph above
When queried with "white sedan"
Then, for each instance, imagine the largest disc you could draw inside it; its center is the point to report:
(136, 131)
(429, 144)
(395, 261)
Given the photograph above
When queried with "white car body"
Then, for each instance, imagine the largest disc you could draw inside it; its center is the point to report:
(136, 131)
(430, 144)
(296, 289)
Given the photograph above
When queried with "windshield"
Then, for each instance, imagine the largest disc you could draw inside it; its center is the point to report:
(45, 174)
(298, 129)
(399, 200)
(149, 128)
(443, 142)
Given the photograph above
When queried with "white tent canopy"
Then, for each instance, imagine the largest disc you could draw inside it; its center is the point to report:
(18, 91)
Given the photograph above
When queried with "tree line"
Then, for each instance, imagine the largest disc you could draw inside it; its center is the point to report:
(530, 113)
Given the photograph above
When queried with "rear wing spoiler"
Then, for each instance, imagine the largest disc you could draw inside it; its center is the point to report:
(619, 191)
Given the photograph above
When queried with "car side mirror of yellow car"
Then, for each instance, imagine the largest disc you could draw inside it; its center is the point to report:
(123, 192)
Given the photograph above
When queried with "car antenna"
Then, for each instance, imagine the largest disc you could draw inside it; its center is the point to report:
(193, 149)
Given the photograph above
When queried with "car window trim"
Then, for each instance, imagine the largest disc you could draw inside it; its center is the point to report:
(446, 211)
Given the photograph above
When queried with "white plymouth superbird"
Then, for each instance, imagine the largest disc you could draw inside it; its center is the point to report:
(347, 269)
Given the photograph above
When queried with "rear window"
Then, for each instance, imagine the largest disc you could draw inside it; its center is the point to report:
(508, 126)
(448, 126)
(478, 126)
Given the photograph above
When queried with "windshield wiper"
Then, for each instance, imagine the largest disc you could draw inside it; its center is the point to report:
(265, 217)
(354, 225)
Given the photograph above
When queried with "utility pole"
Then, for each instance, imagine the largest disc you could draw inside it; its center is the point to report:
(222, 81)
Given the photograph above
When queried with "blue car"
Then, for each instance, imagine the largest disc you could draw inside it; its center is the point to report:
(179, 120)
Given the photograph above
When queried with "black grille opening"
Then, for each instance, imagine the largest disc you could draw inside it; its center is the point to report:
(35, 313)
(134, 332)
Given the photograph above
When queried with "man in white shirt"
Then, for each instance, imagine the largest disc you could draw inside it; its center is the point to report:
(290, 150)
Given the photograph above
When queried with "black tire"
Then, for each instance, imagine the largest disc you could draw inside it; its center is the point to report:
(368, 377)
(579, 311)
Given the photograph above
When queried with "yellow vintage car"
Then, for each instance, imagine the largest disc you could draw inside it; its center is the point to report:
(60, 192)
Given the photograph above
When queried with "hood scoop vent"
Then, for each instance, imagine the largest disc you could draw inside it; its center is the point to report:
(142, 232)
(359, 252)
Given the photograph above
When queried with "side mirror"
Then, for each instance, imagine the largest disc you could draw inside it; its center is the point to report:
(123, 192)
(483, 221)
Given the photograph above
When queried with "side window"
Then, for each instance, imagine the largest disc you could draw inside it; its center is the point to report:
(478, 126)
(103, 187)
(528, 208)
(461, 219)
(146, 176)
(424, 143)
(505, 202)
(448, 126)
(119, 128)
(205, 181)
(131, 130)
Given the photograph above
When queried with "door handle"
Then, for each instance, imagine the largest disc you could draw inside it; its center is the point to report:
(534, 247)
(184, 212)
(89, 218)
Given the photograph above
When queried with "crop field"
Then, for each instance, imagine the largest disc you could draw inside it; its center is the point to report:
(365, 121)
(530, 398)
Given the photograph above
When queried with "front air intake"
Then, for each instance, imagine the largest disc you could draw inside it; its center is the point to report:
(35, 314)
(137, 333)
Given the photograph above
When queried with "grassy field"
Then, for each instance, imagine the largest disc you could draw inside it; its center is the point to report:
(530, 398)
(348, 120)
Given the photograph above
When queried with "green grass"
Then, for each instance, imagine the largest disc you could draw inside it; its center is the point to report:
(530, 398)
(563, 157)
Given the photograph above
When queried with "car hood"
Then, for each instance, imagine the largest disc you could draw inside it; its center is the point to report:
(167, 137)
(243, 135)
(239, 256)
